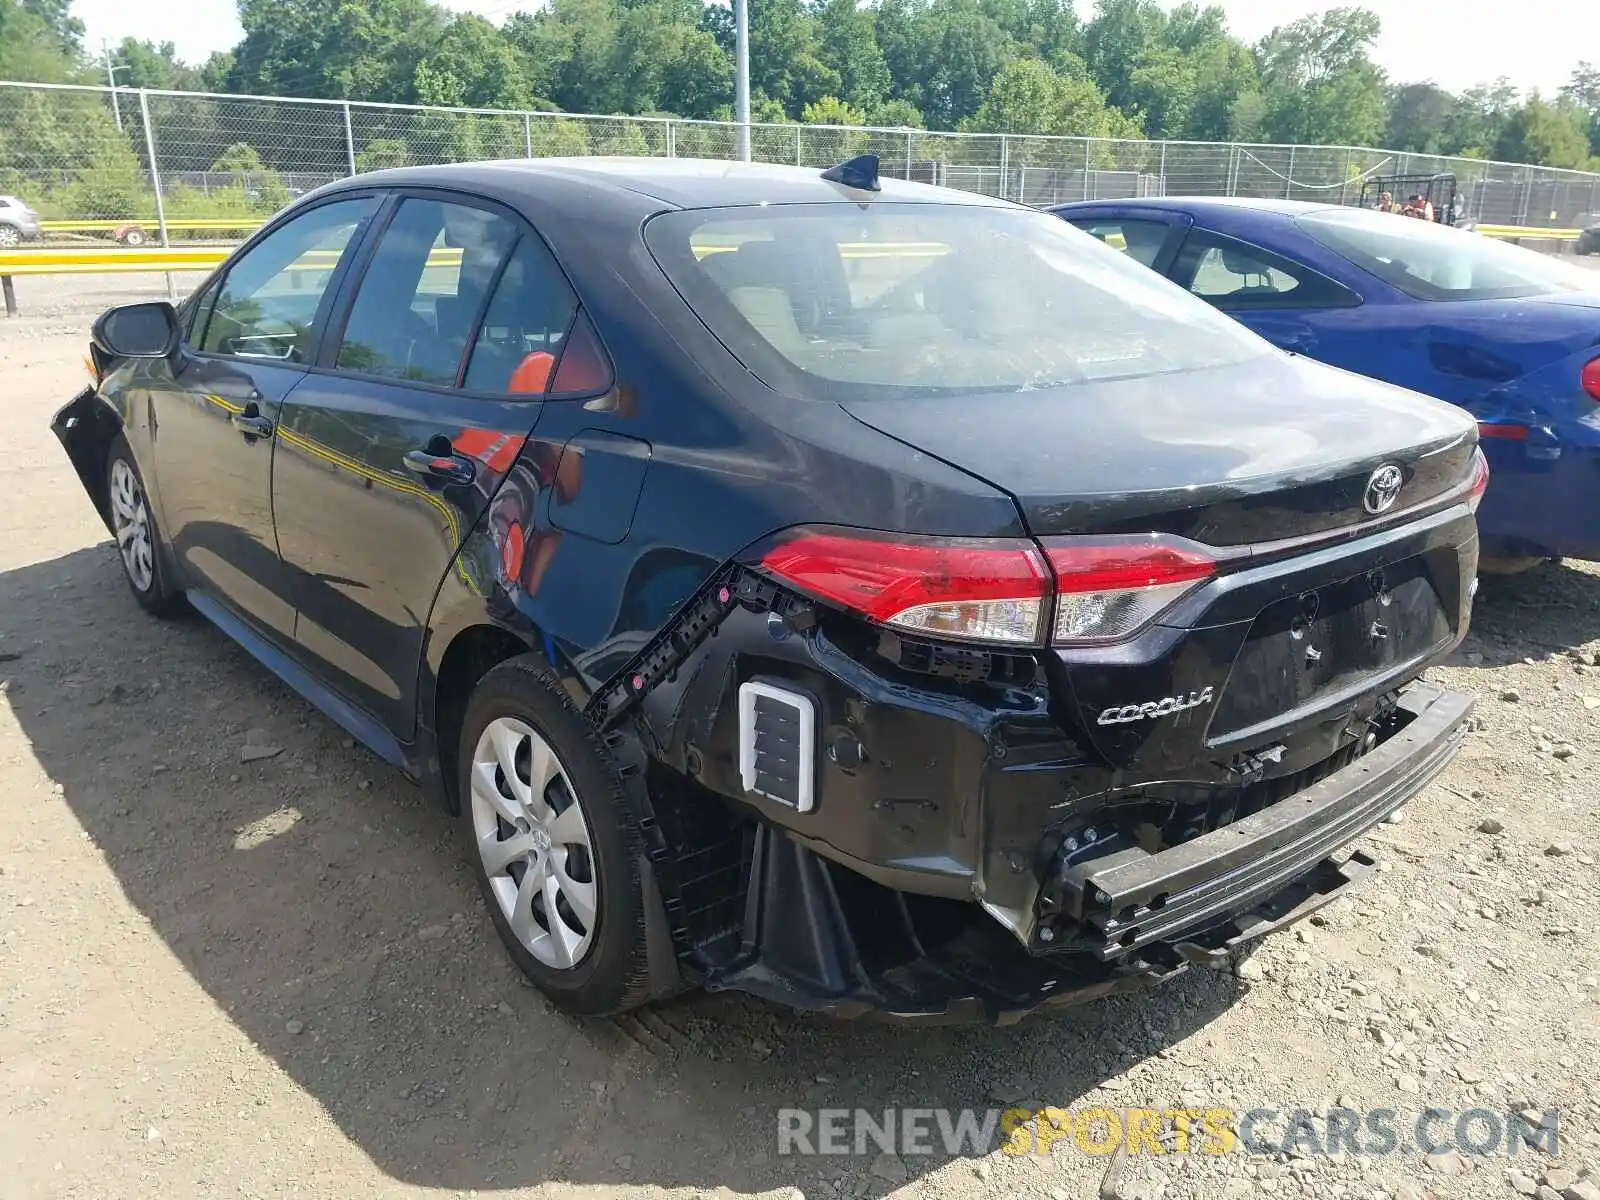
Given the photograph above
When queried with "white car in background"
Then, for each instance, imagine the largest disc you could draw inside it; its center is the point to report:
(18, 222)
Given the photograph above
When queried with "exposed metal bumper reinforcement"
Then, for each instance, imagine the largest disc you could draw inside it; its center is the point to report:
(1133, 898)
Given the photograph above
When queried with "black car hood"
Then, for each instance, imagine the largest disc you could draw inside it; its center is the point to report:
(1094, 456)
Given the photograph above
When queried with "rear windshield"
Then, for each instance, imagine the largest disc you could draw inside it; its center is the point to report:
(1435, 262)
(911, 298)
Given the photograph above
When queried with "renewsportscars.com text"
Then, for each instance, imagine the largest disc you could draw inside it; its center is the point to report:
(1101, 1131)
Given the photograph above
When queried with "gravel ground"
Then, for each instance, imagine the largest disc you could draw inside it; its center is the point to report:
(273, 978)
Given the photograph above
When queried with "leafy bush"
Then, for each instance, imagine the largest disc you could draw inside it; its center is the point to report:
(380, 154)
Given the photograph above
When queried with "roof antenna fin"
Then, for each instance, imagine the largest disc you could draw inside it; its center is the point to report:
(860, 172)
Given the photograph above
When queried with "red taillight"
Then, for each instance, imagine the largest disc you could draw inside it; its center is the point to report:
(974, 589)
(1480, 480)
(1109, 588)
(1591, 378)
(993, 590)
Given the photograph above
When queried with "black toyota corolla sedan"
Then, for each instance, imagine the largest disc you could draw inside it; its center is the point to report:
(876, 598)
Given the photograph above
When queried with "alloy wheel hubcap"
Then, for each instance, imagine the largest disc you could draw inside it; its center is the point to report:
(534, 843)
(130, 518)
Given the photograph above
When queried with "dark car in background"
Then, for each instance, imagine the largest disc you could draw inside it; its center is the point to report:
(871, 597)
(1511, 335)
(1588, 234)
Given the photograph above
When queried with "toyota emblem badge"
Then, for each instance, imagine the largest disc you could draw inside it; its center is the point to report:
(1383, 489)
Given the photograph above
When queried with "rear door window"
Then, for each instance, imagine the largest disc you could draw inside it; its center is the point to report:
(1142, 241)
(1237, 276)
(420, 299)
(524, 326)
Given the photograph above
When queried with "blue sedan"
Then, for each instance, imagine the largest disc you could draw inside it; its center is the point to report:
(1510, 335)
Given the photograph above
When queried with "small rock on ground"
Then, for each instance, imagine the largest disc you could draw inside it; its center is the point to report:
(889, 1168)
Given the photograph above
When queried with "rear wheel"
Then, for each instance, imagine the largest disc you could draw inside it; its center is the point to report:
(133, 237)
(10, 236)
(138, 538)
(557, 853)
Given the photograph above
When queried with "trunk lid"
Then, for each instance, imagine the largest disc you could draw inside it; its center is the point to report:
(1277, 662)
(1278, 447)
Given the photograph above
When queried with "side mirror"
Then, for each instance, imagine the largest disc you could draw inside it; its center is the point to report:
(138, 330)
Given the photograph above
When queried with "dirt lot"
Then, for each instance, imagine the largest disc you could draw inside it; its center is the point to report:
(274, 979)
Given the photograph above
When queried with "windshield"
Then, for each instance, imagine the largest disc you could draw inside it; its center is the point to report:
(912, 298)
(1436, 262)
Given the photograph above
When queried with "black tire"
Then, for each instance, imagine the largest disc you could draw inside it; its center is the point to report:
(615, 973)
(10, 237)
(154, 590)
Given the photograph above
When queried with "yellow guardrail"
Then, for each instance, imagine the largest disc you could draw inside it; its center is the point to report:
(146, 223)
(1527, 231)
(86, 260)
(102, 259)
(96, 260)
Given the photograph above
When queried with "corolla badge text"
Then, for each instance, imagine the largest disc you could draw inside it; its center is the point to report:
(1165, 707)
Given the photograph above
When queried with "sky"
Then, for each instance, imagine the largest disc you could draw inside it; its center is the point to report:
(1455, 43)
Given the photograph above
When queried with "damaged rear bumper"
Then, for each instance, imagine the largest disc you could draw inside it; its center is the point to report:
(818, 936)
(1131, 899)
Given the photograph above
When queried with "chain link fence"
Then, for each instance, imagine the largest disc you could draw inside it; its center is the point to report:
(189, 166)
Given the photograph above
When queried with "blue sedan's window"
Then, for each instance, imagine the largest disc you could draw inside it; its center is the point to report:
(931, 298)
(1141, 241)
(1435, 262)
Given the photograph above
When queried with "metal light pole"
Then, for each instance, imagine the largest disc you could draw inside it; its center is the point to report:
(741, 86)
(111, 78)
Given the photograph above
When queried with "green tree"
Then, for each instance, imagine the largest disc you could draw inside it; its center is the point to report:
(786, 55)
(960, 50)
(149, 65)
(73, 142)
(258, 185)
(1163, 90)
(894, 24)
(332, 48)
(698, 79)
(848, 46)
(1549, 135)
(1318, 81)
(1025, 98)
(1480, 113)
(1583, 93)
(381, 154)
(896, 114)
(1419, 118)
(473, 65)
(1225, 75)
(1122, 35)
(1028, 97)
(611, 56)
(830, 110)
(31, 48)
(63, 27)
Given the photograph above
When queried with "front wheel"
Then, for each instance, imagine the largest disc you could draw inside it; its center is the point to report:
(556, 850)
(138, 538)
(10, 237)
